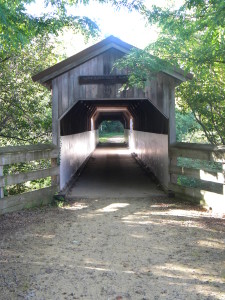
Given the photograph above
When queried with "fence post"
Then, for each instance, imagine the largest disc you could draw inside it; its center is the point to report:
(1, 188)
(223, 168)
(173, 162)
(55, 178)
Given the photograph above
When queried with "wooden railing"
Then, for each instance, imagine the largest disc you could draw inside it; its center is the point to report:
(23, 154)
(209, 188)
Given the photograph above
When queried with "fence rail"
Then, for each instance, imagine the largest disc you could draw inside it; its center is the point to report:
(23, 154)
(210, 184)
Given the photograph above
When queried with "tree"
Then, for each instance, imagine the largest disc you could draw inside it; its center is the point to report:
(25, 107)
(19, 28)
(192, 37)
(25, 115)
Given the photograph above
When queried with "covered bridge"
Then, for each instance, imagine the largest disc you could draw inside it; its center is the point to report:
(86, 90)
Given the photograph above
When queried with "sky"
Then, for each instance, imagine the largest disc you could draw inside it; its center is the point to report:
(128, 26)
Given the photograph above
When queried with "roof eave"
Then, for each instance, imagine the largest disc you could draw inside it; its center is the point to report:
(47, 75)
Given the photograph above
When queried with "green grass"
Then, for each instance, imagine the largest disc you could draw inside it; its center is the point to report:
(110, 134)
(104, 136)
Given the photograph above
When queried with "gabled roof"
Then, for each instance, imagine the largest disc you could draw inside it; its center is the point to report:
(81, 57)
(47, 75)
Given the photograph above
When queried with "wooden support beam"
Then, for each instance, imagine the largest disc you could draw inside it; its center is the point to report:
(172, 119)
(1, 188)
(195, 193)
(55, 177)
(28, 176)
(205, 175)
(223, 168)
(17, 154)
(27, 200)
(55, 113)
(198, 151)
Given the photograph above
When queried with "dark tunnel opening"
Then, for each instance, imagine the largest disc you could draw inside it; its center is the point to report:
(88, 115)
(145, 133)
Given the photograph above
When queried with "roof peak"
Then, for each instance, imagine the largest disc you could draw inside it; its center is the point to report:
(71, 62)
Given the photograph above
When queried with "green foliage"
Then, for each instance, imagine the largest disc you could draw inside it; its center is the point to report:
(111, 127)
(25, 107)
(18, 28)
(200, 165)
(205, 97)
(193, 37)
(188, 129)
(141, 65)
(29, 185)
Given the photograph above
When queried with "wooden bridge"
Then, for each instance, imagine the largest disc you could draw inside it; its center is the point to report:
(85, 92)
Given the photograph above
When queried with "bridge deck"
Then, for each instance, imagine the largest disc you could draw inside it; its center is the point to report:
(112, 172)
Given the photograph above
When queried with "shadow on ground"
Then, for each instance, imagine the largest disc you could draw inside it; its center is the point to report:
(145, 248)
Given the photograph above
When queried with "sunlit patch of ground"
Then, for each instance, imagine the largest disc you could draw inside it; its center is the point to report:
(112, 139)
(133, 248)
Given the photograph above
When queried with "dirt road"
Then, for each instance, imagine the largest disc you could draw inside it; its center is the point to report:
(140, 246)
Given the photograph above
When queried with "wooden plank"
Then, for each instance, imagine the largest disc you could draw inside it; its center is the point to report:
(26, 148)
(65, 92)
(195, 154)
(172, 123)
(55, 177)
(60, 109)
(27, 200)
(198, 151)
(23, 177)
(205, 175)
(103, 79)
(24, 156)
(211, 186)
(71, 80)
(76, 90)
(72, 63)
(194, 193)
(223, 168)
(1, 189)
(55, 113)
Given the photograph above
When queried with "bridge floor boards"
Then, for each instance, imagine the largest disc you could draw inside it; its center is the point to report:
(112, 172)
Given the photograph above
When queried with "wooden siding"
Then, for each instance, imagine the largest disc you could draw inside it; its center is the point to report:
(70, 91)
(209, 189)
(160, 90)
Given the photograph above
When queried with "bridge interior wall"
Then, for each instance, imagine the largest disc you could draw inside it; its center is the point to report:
(152, 150)
(75, 149)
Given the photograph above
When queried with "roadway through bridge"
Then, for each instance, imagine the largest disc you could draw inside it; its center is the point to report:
(112, 172)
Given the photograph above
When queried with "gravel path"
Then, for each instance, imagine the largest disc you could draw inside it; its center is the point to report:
(147, 247)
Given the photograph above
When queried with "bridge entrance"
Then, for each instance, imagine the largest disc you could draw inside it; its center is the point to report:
(86, 90)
